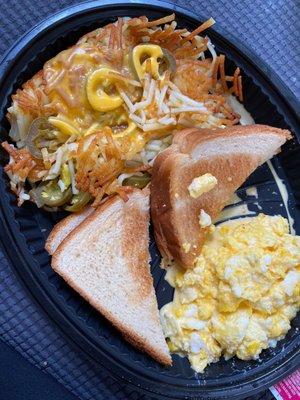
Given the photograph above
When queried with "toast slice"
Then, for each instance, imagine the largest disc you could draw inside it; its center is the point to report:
(229, 154)
(106, 260)
(64, 227)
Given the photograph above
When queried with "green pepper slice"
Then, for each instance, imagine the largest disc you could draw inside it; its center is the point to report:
(137, 181)
(78, 201)
(39, 128)
(49, 194)
(168, 62)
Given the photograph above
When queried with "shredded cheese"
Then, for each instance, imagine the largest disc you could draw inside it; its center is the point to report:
(72, 174)
(168, 101)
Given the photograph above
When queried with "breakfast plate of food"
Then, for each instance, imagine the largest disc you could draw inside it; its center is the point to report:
(150, 197)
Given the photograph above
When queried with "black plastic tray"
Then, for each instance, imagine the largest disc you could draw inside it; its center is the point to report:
(24, 230)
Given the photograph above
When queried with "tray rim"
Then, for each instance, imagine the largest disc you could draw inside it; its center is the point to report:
(40, 297)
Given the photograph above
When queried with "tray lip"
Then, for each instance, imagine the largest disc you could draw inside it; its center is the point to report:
(290, 98)
(40, 296)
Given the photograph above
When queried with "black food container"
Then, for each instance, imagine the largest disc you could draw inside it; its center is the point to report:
(23, 231)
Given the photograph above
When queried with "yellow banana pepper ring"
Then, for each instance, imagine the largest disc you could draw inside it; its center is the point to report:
(153, 52)
(64, 126)
(97, 97)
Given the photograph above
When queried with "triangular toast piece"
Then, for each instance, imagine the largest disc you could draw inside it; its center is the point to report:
(64, 227)
(229, 154)
(106, 260)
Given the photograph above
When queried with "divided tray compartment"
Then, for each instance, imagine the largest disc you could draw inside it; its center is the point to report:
(24, 230)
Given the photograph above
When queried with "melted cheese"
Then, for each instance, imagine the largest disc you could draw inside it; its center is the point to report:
(66, 78)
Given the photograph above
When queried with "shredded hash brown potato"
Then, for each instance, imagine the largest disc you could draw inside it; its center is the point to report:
(99, 162)
(109, 104)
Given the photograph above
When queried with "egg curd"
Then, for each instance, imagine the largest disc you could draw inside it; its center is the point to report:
(241, 294)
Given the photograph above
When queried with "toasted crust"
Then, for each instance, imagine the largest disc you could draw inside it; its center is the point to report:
(188, 138)
(64, 227)
(132, 243)
(82, 226)
(193, 153)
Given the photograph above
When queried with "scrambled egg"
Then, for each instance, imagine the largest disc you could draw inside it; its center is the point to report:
(240, 296)
(202, 184)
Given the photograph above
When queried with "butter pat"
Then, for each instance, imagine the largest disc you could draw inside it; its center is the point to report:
(204, 219)
(186, 247)
(202, 184)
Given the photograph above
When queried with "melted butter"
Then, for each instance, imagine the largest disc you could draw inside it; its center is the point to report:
(252, 191)
(234, 199)
(234, 212)
(258, 205)
(245, 116)
(284, 195)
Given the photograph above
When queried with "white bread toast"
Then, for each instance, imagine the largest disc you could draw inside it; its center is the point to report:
(106, 260)
(64, 227)
(229, 154)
